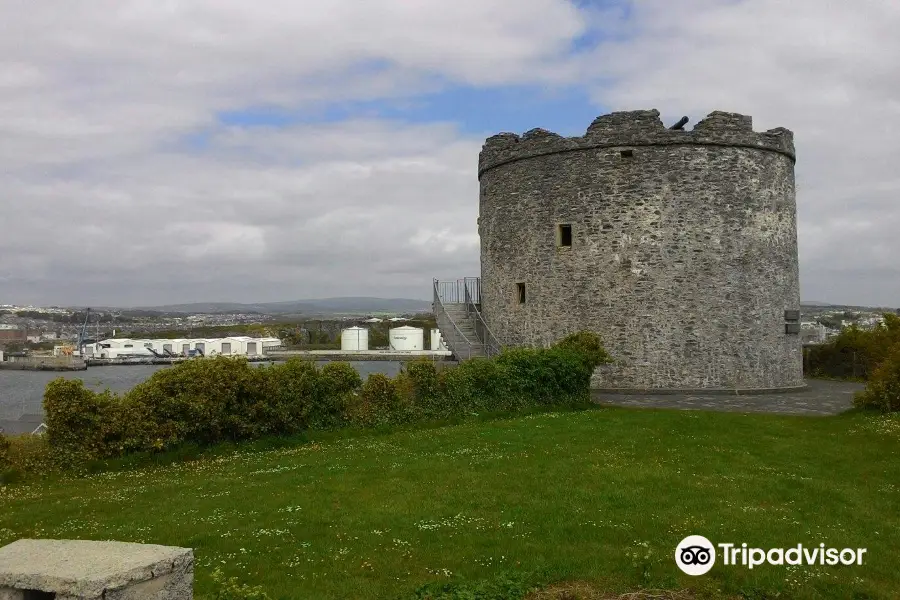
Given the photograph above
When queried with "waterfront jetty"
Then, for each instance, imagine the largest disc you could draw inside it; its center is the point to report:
(361, 355)
(282, 355)
(43, 363)
(93, 361)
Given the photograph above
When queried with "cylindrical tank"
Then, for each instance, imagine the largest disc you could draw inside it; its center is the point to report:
(678, 247)
(437, 342)
(406, 338)
(355, 338)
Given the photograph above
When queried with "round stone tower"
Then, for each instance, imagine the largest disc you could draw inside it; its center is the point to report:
(678, 247)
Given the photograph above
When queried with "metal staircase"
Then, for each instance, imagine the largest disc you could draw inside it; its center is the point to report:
(457, 311)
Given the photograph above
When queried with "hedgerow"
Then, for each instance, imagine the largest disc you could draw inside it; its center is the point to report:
(854, 353)
(207, 401)
(4, 453)
(883, 388)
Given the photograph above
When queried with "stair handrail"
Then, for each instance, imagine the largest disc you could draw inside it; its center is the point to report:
(440, 310)
(492, 345)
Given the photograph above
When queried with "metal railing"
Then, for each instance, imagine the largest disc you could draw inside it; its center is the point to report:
(446, 323)
(455, 292)
(492, 346)
(460, 291)
(467, 292)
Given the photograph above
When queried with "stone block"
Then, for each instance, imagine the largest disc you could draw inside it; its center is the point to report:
(89, 570)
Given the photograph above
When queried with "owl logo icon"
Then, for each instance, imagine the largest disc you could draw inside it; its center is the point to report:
(695, 555)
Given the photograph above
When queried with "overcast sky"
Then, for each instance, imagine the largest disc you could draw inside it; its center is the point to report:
(158, 151)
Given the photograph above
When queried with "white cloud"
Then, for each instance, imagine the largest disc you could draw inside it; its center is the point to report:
(147, 228)
(826, 70)
(102, 202)
(98, 207)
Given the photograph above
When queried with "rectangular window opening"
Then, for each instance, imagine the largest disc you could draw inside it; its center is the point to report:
(564, 236)
(520, 292)
(626, 153)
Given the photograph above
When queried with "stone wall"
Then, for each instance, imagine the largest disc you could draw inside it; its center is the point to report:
(683, 253)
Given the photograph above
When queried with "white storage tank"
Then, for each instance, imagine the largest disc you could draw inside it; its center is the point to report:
(437, 342)
(406, 338)
(355, 338)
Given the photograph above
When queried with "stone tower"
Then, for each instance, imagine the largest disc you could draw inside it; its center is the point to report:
(678, 247)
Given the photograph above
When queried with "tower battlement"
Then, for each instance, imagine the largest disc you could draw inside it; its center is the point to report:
(636, 128)
(679, 248)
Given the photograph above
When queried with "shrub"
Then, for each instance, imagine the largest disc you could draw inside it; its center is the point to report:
(339, 382)
(474, 386)
(76, 420)
(419, 384)
(589, 345)
(203, 401)
(854, 353)
(883, 388)
(211, 400)
(379, 402)
(289, 391)
(559, 376)
(5, 461)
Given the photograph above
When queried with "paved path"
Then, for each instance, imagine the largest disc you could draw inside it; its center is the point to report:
(820, 398)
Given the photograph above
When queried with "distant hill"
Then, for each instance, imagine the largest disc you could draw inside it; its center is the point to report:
(814, 303)
(343, 305)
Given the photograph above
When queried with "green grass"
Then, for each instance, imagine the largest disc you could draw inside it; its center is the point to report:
(557, 496)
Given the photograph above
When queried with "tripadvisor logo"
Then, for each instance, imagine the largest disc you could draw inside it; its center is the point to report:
(696, 555)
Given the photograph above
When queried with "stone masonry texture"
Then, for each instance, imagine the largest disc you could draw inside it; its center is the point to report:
(683, 254)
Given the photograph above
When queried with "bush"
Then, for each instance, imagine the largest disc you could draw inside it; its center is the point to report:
(5, 461)
(419, 384)
(559, 376)
(474, 386)
(519, 378)
(77, 421)
(379, 402)
(25, 453)
(212, 400)
(589, 345)
(883, 388)
(854, 353)
(339, 383)
(203, 401)
(288, 392)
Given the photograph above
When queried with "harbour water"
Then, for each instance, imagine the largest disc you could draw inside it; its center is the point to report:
(22, 392)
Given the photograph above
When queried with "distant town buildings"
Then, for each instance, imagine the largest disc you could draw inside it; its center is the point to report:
(13, 335)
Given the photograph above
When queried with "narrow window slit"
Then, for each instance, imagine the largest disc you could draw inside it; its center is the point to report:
(564, 236)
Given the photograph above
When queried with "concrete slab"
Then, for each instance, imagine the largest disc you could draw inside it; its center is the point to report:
(91, 570)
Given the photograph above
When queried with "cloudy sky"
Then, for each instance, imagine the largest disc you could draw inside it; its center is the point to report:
(156, 151)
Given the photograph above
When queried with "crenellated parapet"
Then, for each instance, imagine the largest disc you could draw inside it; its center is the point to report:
(636, 128)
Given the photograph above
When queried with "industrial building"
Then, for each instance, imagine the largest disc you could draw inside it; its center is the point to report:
(229, 346)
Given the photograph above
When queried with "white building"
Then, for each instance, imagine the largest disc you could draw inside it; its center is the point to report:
(230, 346)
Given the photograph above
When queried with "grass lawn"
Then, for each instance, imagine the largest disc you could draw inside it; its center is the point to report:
(600, 496)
